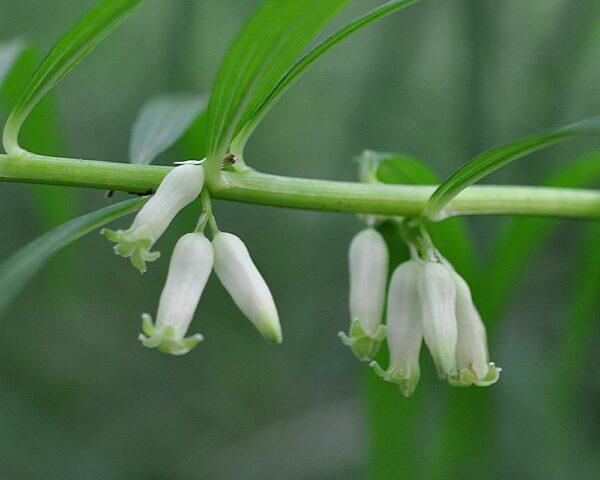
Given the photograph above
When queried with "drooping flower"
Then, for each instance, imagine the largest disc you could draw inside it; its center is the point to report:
(368, 259)
(472, 357)
(179, 188)
(404, 328)
(190, 267)
(240, 277)
(438, 297)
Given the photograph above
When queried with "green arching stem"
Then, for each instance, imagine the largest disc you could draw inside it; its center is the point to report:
(254, 187)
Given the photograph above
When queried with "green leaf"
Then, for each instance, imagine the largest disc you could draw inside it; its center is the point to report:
(73, 47)
(160, 123)
(9, 53)
(498, 157)
(257, 59)
(253, 117)
(20, 267)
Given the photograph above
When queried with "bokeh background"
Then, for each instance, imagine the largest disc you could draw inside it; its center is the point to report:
(442, 80)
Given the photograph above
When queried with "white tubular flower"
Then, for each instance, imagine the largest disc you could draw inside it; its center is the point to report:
(472, 355)
(440, 330)
(179, 188)
(404, 328)
(245, 284)
(368, 257)
(190, 267)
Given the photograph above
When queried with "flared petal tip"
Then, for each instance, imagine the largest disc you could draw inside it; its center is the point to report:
(467, 377)
(363, 345)
(407, 382)
(130, 244)
(162, 339)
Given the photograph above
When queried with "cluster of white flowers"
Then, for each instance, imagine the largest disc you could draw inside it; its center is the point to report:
(427, 300)
(193, 259)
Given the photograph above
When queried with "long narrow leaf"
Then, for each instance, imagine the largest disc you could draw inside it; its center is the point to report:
(160, 123)
(498, 157)
(9, 53)
(73, 47)
(19, 268)
(254, 116)
(264, 50)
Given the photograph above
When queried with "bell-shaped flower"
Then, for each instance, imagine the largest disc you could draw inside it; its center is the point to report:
(179, 188)
(368, 258)
(472, 357)
(190, 267)
(245, 284)
(438, 296)
(404, 327)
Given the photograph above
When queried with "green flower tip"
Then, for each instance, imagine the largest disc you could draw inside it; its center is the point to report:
(467, 377)
(162, 338)
(132, 244)
(363, 345)
(407, 382)
(271, 332)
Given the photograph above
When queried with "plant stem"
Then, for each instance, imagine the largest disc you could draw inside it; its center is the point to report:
(254, 187)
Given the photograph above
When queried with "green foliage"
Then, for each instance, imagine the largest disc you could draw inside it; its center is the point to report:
(256, 60)
(160, 123)
(496, 158)
(73, 47)
(20, 267)
(253, 117)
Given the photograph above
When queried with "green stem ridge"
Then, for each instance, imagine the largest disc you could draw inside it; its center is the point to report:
(259, 188)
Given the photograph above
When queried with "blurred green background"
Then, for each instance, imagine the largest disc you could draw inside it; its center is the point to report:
(442, 80)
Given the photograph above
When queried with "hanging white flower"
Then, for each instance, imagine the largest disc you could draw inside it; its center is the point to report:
(438, 296)
(368, 260)
(179, 188)
(472, 357)
(404, 327)
(190, 267)
(245, 284)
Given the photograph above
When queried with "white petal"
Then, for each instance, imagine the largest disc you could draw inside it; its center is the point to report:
(245, 284)
(190, 267)
(368, 258)
(439, 316)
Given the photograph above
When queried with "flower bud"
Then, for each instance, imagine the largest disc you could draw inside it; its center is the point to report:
(245, 284)
(368, 258)
(438, 295)
(472, 355)
(179, 188)
(404, 327)
(190, 267)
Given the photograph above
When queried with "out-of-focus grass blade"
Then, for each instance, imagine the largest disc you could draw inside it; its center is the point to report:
(253, 117)
(257, 59)
(498, 157)
(73, 47)
(9, 53)
(20, 267)
(160, 123)
(521, 237)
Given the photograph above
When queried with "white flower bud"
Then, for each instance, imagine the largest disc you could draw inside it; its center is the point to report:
(245, 284)
(190, 267)
(404, 327)
(368, 258)
(472, 355)
(179, 188)
(440, 331)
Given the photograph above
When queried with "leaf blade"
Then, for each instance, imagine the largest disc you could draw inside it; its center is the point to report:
(21, 266)
(254, 116)
(498, 157)
(265, 48)
(66, 53)
(160, 123)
